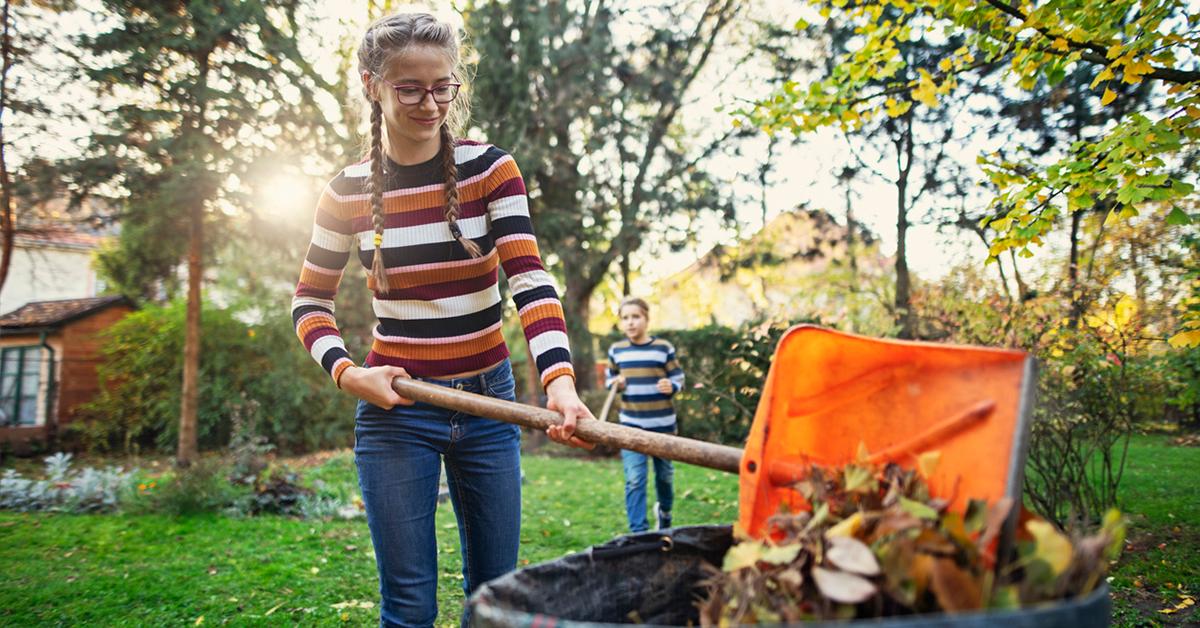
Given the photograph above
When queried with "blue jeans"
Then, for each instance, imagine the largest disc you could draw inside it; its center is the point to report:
(399, 453)
(635, 484)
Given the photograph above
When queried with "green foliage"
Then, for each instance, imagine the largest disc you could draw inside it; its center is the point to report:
(1129, 169)
(200, 488)
(605, 151)
(254, 371)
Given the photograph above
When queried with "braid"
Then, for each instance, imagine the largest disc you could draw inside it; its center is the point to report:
(378, 273)
(450, 170)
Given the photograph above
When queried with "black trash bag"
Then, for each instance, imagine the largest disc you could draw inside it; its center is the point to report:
(648, 578)
(654, 578)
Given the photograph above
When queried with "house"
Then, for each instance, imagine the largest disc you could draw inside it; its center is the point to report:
(49, 263)
(785, 270)
(48, 356)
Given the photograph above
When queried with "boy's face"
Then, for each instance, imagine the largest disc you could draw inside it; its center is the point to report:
(634, 322)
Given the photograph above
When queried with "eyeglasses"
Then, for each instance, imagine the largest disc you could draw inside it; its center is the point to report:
(413, 94)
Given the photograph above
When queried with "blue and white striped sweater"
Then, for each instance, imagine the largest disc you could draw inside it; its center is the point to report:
(642, 405)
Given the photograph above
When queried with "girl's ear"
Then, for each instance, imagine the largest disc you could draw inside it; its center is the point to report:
(367, 87)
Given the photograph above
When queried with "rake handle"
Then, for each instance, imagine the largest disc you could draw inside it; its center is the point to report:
(659, 445)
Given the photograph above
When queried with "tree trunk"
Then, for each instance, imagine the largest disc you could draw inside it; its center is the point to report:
(626, 289)
(191, 346)
(903, 303)
(8, 227)
(1073, 292)
(575, 307)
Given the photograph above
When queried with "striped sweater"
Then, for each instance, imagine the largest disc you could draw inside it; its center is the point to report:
(642, 405)
(439, 315)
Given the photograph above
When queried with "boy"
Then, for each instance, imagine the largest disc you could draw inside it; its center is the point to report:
(646, 369)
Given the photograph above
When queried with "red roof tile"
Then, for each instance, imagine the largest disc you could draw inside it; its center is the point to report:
(52, 313)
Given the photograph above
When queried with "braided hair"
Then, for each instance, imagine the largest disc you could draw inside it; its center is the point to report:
(384, 40)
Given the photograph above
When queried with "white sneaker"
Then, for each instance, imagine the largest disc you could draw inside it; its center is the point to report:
(662, 519)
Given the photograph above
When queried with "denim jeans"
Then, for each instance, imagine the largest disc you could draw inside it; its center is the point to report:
(635, 484)
(399, 453)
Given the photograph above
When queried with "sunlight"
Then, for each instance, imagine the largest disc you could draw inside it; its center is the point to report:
(285, 195)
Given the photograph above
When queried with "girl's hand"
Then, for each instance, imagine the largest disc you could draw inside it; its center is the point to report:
(374, 385)
(619, 382)
(561, 396)
(664, 386)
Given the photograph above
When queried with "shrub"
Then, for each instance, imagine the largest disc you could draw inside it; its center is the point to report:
(65, 490)
(201, 488)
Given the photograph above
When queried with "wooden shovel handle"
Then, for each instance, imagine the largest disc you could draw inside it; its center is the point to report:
(608, 401)
(668, 446)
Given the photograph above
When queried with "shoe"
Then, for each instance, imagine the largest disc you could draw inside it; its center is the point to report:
(662, 519)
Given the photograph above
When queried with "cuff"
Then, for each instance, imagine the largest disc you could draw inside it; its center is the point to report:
(339, 368)
(555, 372)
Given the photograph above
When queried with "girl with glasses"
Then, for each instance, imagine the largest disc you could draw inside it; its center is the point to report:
(431, 217)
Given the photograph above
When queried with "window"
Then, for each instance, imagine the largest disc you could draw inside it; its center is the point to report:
(20, 374)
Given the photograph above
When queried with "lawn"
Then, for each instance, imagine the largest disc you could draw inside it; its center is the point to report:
(157, 570)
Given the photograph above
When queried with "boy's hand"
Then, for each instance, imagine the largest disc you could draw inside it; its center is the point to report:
(664, 386)
(374, 385)
(561, 397)
(619, 382)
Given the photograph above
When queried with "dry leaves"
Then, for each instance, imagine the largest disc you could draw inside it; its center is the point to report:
(877, 544)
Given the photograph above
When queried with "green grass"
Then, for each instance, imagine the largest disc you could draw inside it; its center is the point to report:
(156, 570)
(1160, 493)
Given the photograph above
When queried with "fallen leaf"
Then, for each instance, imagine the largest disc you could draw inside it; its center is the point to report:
(843, 587)
(742, 555)
(199, 620)
(846, 527)
(954, 588)
(917, 509)
(781, 554)
(273, 609)
(851, 554)
(1052, 546)
(927, 463)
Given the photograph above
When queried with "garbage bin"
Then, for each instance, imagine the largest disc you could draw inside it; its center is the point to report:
(654, 578)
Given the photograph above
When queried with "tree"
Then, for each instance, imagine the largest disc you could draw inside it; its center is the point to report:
(1131, 42)
(912, 141)
(596, 125)
(22, 32)
(194, 92)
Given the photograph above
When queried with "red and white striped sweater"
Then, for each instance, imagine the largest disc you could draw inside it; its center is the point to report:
(439, 315)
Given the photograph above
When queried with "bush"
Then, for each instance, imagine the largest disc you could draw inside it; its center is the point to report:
(260, 371)
(725, 369)
(64, 490)
(201, 488)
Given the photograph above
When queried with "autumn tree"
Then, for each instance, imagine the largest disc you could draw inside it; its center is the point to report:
(593, 116)
(1128, 42)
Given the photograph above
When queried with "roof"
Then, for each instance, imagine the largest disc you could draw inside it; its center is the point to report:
(58, 237)
(55, 313)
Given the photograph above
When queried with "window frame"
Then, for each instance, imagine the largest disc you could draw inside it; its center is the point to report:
(19, 396)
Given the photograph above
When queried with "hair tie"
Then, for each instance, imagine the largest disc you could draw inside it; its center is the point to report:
(378, 240)
(455, 231)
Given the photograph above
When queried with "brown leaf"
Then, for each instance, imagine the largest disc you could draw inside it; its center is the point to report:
(955, 589)
(996, 516)
(843, 587)
(851, 554)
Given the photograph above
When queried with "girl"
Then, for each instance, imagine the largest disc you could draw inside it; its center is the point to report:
(431, 217)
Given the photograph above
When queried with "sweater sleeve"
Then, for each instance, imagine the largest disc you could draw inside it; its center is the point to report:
(312, 305)
(674, 371)
(532, 288)
(612, 370)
